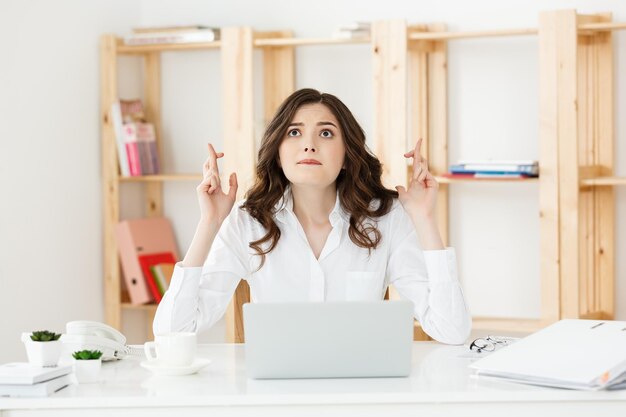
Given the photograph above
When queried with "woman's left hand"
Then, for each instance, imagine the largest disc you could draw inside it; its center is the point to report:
(421, 197)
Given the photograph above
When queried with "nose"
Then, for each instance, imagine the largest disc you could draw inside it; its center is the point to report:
(309, 142)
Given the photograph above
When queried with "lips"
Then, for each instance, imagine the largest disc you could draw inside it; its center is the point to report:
(310, 162)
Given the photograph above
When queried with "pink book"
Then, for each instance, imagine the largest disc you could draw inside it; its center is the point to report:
(139, 237)
(145, 134)
(132, 149)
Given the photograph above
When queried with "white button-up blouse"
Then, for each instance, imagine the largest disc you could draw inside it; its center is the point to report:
(198, 296)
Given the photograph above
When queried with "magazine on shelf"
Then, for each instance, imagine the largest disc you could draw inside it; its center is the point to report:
(487, 175)
(118, 128)
(177, 37)
(355, 26)
(179, 28)
(496, 167)
(132, 111)
(353, 30)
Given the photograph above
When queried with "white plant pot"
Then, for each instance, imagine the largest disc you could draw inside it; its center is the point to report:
(43, 353)
(87, 371)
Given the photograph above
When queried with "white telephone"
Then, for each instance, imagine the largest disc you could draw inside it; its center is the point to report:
(93, 335)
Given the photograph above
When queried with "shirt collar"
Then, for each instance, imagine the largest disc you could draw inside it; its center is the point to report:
(284, 208)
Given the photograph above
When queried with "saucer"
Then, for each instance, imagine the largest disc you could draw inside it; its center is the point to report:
(165, 370)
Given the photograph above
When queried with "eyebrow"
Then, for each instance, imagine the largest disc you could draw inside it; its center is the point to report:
(318, 124)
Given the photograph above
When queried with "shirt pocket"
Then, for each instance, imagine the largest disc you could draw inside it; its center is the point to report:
(364, 286)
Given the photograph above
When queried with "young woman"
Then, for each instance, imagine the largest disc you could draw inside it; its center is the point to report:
(317, 225)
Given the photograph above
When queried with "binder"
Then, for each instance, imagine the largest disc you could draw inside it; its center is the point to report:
(147, 261)
(139, 237)
(574, 354)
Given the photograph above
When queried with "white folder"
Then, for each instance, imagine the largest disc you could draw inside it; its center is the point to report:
(576, 354)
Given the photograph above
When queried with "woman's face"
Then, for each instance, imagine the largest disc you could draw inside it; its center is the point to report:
(312, 151)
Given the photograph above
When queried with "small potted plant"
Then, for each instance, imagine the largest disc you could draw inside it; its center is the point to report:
(87, 365)
(43, 348)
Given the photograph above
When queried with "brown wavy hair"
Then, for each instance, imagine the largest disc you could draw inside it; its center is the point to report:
(357, 185)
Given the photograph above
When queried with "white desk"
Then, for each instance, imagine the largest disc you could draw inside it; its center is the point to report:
(439, 385)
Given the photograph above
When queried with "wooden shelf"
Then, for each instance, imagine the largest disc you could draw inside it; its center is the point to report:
(162, 178)
(507, 324)
(448, 180)
(142, 49)
(496, 325)
(141, 307)
(603, 181)
(591, 27)
(602, 27)
(267, 42)
(471, 34)
(415, 36)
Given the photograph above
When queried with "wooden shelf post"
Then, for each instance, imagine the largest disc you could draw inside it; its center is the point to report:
(279, 74)
(110, 184)
(239, 147)
(576, 129)
(389, 55)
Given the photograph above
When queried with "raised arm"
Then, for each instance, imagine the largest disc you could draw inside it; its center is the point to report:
(214, 207)
(191, 302)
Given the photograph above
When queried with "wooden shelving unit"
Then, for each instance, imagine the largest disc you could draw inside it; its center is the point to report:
(410, 72)
(237, 126)
(576, 138)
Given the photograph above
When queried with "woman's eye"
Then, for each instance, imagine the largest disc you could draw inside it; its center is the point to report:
(328, 135)
(293, 131)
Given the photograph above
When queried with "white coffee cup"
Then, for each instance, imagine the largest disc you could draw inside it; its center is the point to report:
(172, 349)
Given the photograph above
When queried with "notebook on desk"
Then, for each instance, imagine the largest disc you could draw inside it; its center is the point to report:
(328, 340)
(574, 354)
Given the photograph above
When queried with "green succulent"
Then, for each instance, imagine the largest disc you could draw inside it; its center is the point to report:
(86, 355)
(44, 336)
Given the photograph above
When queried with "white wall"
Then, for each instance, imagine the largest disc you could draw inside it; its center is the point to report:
(50, 204)
(50, 214)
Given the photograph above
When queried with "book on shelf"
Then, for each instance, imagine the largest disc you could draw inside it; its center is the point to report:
(132, 111)
(162, 274)
(357, 25)
(494, 168)
(132, 150)
(498, 161)
(138, 237)
(147, 262)
(351, 34)
(353, 30)
(135, 138)
(173, 36)
(141, 147)
(487, 175)
(175, 28)
(118, 128)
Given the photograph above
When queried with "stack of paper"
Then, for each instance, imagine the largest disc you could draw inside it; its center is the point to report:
(575, 354)
(494, 169)
(19, 379)
(354, 30)
(173, 34)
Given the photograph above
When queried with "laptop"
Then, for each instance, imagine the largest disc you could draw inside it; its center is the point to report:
(352, 339)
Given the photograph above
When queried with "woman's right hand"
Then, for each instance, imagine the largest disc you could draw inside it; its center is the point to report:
(215, 205)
